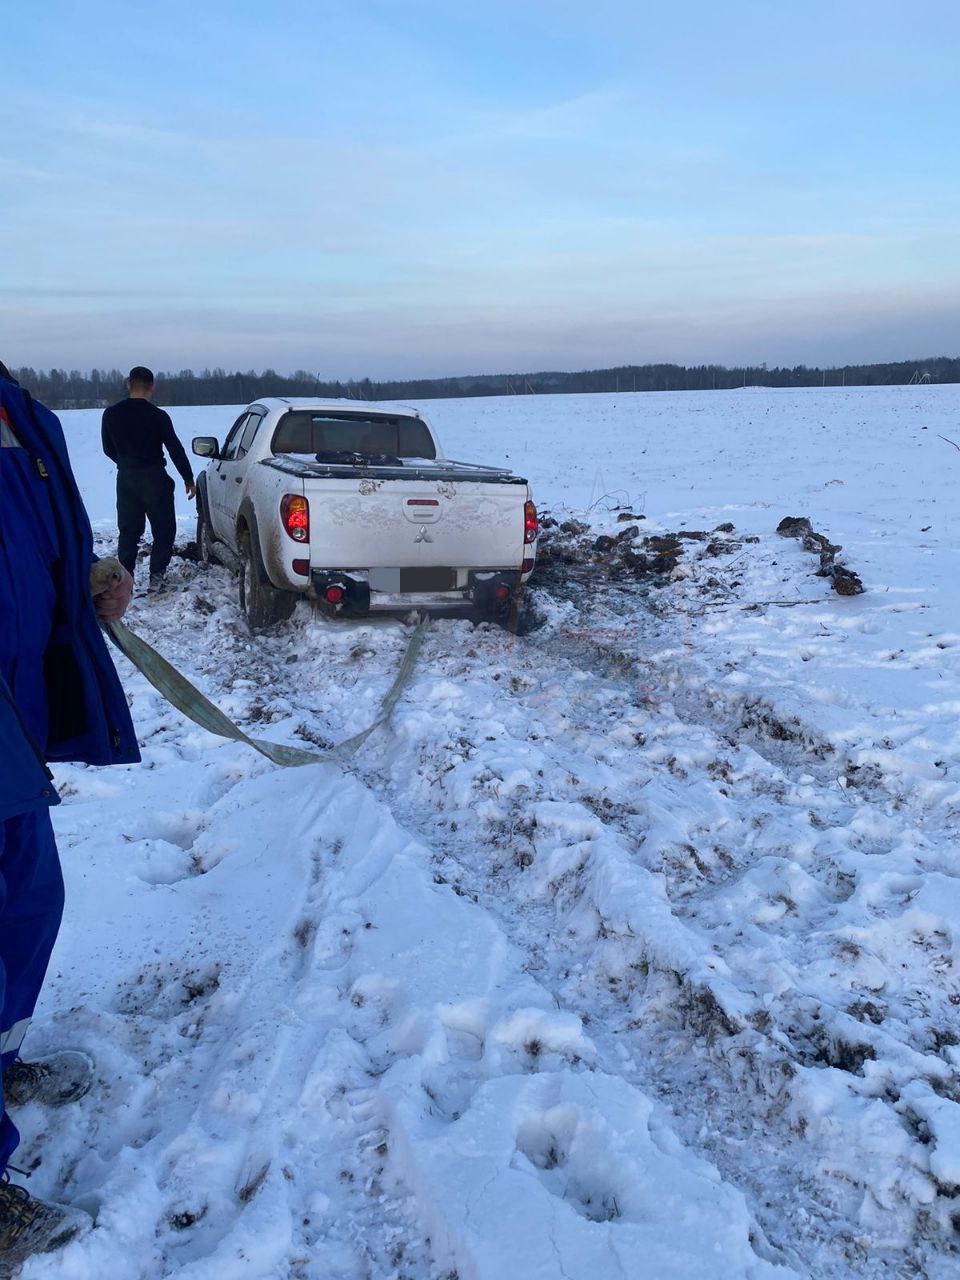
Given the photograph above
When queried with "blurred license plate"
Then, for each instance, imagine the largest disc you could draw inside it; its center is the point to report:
(428, 579)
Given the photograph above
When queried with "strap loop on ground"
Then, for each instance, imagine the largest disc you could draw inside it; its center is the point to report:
(183, 695)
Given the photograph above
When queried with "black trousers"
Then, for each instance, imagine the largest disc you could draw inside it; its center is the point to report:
(145, 493)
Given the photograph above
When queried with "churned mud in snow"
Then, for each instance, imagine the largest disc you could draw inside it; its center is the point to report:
(629, 950)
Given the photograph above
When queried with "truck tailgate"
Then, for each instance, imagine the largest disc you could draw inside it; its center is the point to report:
(416, 523)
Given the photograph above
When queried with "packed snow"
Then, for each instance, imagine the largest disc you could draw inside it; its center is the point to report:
(630, 949)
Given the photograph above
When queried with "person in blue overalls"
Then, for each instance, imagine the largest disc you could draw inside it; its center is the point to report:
(60, 699)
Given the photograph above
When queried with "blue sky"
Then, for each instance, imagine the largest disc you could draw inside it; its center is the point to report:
(413, 188)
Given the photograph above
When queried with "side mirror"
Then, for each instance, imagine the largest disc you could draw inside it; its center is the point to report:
(206, 447)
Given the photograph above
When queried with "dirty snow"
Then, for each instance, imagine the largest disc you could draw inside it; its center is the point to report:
(630, 950)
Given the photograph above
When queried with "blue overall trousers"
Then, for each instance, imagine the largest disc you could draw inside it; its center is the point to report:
(31, 884)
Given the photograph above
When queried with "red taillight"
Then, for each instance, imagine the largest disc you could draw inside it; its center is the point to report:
(527, 566)
(531, 525)
(502, 593)
(302, 567)
(295, 514)
(333, 595)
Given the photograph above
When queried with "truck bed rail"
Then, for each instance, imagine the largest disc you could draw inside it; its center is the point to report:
(446, 470)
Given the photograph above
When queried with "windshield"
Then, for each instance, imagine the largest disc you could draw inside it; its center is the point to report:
(329, 436)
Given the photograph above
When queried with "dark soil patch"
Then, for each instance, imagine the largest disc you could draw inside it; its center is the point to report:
(625, 558)
(844, 581)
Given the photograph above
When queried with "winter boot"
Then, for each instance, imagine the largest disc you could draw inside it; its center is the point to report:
(29, 1226)
(53, 1081)
(157, 585)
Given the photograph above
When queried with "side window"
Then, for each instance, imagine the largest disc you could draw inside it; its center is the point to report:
(249, 431)
(294, 434)
(229, 450)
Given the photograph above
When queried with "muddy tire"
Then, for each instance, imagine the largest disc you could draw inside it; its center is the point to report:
(262, 604)
(516, 615)
(206, 543)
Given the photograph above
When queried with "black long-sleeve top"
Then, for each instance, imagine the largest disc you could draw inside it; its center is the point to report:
(134, 434)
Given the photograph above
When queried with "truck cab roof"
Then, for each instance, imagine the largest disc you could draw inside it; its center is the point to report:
(388, 408)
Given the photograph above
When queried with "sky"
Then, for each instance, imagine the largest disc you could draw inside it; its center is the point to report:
(409, 188)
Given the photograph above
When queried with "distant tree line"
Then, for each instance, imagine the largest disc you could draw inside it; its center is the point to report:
(75, 390)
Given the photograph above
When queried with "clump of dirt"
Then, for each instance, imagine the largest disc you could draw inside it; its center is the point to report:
(703, 1014)
(844, 1055)
(571, 549)
(187, 551)
(864, 1010)
(843, 580)
(627, 556)
(165, 989)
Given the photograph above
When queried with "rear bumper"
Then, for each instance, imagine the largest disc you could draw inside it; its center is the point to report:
(484, 589)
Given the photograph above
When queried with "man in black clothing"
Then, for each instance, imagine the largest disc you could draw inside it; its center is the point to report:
(135, 433)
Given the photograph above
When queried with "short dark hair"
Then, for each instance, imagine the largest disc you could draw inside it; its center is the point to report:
(140, 373)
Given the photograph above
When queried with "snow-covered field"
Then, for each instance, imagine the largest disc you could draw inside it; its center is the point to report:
(630, 950)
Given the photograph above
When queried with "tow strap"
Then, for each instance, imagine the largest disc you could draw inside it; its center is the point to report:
(187, 698)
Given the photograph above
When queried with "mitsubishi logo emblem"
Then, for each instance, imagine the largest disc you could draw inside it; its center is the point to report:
(423, 536)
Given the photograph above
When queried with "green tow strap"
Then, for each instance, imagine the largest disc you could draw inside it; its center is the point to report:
(178, 690)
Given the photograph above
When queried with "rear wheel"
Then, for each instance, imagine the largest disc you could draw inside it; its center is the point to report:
(262, 604)
(509, 613)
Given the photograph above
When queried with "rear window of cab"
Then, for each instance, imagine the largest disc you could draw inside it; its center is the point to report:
(319, 434)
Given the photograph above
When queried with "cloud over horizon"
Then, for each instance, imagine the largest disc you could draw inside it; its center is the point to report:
(371, 189)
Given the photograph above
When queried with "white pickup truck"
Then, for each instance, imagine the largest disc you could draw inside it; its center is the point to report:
(354, 505)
